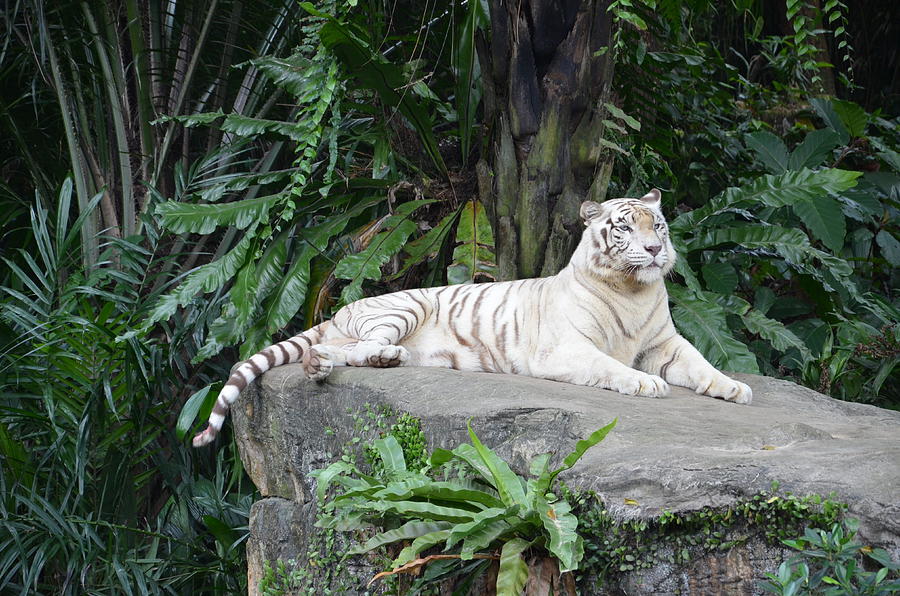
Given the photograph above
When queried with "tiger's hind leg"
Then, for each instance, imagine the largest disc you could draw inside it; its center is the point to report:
(379, 325)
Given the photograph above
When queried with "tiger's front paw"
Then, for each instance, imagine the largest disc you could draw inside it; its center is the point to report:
(641, 384)
(725, 388)
(388, 356)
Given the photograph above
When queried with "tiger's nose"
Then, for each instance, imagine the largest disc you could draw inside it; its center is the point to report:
(653, 249)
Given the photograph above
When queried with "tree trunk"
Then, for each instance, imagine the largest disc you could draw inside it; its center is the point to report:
(544, 86)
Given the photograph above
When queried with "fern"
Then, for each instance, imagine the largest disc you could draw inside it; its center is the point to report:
(182, 218)
(367, 263)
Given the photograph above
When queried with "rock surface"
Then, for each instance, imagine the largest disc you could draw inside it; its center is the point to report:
(679, 453)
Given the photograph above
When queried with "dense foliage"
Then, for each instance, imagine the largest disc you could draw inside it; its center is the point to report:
(184, 181)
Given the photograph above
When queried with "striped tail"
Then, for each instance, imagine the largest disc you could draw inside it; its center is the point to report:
(294, 349)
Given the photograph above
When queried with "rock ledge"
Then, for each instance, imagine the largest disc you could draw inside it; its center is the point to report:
(680, 453)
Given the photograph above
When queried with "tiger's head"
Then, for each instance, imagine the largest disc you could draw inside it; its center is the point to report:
(626, 238)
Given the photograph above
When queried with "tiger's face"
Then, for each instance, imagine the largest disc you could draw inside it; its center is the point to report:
(628, 237)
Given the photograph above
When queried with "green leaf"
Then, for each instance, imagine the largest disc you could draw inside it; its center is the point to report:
(206, 278)
(770, 150)
(720, 277)
(191, 408)
(704, 324)
(852, 116)
(890, 247)
(421, 543)
(561, 526)
(815, 149)
(469, 455)
(774, 332)
(423, 510)
(449, 491)
(224, 535)
(772, 191)
(468, 74)
(325, 477)
(824, 217)
(513, 571)
(184, 218)
(540, 465)
(479, 521)
(429, 244)
(825, 109)
(367, 263)
(474, 255)
(408, 531)
(488, 533)
(618, 113)
(391, 454)
(370, 67)
(545, 481)
(288, 297)
(583, 445)
(507, 482)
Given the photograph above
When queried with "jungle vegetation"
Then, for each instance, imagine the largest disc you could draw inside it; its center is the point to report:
(182, 182)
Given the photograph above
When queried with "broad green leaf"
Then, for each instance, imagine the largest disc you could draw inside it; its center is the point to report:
(325, 477)
(455, 491)
(539, 465)
(474, 255)
(479, 521)
(826, 111)
(815, 149)
(421, 543)
(391, 454)
(513, 571)
(288, 297)
(774, 332)
(720, 277)
(561, 526)
(792, 242)
(224, 535)
(772, 191)
(183, 218)
(423, 510)
(486, 534)
(824, 217)
(408, 531)
(852, 116)
(770, 150)
(507, 482)
(890, 247)
(194, 404)
(470, 455)
(703, 323)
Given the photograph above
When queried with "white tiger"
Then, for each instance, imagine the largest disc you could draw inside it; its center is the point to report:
(602, 321)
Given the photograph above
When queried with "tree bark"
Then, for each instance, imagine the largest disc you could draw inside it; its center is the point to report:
(544, 85)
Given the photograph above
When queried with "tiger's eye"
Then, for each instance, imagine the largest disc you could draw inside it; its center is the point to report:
(623, 228)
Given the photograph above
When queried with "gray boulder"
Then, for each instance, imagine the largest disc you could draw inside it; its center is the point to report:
(682, 453)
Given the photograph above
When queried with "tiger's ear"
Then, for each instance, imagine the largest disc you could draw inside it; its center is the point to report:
(590, 210)
(652, 198)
